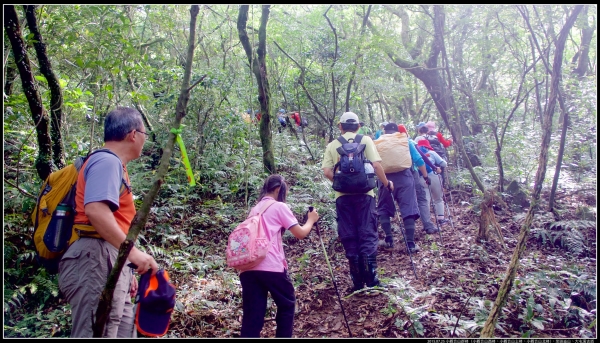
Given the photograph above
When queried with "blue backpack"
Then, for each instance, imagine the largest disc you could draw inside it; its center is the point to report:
(353, 173)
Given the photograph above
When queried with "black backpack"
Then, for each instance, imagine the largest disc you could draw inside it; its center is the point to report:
(436, 145)
(353, 173)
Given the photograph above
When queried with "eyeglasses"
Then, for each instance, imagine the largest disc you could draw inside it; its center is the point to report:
(147, 135)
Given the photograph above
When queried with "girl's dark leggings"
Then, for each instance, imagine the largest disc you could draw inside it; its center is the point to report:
(255, 285)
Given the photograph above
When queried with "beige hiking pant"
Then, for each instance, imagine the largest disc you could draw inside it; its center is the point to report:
(83, 271)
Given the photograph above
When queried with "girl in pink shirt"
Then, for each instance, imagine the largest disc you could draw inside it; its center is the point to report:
(270, 276)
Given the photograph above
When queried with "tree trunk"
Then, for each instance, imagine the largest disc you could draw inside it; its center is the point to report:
(498, 153)
(141, 217)
(43, 163)
(587, 34)
(10, 76)
(259, 68)
(561, 152)
(138, 106)
(504, 291)
(56, 98)
(356, 59)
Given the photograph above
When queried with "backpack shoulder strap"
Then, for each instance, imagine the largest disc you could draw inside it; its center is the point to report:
(342, 140)
(262, 232)
(266, 206)
(358, 138)
(101, 150)
(79, 163)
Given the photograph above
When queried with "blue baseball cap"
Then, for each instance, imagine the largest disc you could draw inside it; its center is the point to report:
(282, 110)
(155, 302)
(421, 124)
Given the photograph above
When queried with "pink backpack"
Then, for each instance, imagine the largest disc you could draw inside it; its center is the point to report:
(248, 245)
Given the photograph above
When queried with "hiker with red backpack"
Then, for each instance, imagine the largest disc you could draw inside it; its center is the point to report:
(439, 145)
(352, 167)
(435, 186)
(257, 116)
(432, 131)
(297, 120)
(270, 275)
(104, 211)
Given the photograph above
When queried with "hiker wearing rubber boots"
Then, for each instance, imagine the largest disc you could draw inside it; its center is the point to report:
(271, 274)
(398, 155)
(422, 202)
(435, 186)
(104, 211)
(347, 161)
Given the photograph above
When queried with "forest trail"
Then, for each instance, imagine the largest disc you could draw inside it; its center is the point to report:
(452, 270)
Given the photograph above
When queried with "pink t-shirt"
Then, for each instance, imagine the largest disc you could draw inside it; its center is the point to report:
(277, 217)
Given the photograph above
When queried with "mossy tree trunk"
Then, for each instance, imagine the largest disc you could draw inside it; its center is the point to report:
(56, 98)
(43, 162)
(259, 68)
(505, 287)
(587, 33)
(141, 217)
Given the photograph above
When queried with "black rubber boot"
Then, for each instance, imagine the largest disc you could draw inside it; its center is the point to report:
(387, 228)
(386, 225)
(409, 227)
(355, 273)
(369, 269)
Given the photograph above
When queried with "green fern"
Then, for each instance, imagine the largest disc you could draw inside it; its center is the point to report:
(157, 251)
(572, 224)
(565, 234)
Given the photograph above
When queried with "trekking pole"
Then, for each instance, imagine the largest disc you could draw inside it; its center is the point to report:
(310, 209)
(448, 179)
(451, 199)
(447, 209)
(404, 235)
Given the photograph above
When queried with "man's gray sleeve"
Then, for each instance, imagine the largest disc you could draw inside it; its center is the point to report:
(103, 174)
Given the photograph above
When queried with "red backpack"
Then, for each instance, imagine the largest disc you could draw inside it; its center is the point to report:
(248, 245)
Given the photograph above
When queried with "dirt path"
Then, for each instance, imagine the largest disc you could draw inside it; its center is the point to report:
(458, 280)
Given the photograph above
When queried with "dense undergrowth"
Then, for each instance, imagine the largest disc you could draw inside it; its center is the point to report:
(554, 294)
